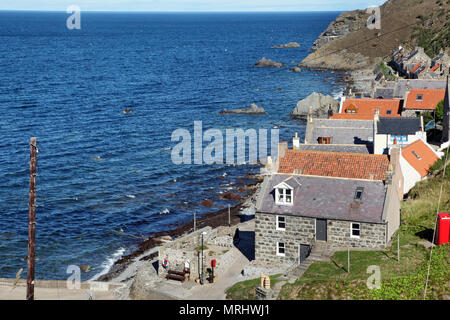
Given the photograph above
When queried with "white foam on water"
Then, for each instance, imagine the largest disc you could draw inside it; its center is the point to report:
(106, 266)
(131, 196)
(165, 211)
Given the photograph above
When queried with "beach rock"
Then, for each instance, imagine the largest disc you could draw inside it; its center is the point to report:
(230, 196)
(269, 63)
(85, 268)
(295, 69)
(253, 109)
(207, 203)
(319, 104)
(287, 45)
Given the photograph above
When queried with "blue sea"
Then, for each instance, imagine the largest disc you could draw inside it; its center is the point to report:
(101, 171)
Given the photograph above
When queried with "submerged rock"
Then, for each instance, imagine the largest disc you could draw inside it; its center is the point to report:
(269, 63)
(295, 69)
(253, 109)
(319, 105)
(287, 45)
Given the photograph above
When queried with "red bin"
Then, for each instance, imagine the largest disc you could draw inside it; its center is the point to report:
(213, 263)
(443, 228)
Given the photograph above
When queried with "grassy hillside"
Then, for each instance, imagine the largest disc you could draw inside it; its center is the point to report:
(403, 22)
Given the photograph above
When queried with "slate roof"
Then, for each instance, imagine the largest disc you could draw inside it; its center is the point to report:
(327, 198)
(384, 93)
(335, 164)
(349, 148)
(398, 126)
(427, 156)
(430, 99)
(342, 131)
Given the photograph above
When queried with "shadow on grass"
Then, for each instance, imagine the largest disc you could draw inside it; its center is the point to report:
(426, 234)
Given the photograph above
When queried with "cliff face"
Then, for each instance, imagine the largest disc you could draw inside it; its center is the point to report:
(346, 23)
(348, 44)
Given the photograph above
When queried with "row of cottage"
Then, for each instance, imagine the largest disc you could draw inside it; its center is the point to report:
(344, 183)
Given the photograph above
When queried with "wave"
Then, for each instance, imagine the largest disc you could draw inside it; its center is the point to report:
(106, 266)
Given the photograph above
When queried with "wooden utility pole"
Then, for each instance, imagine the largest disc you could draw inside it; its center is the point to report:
(194, 222)
(31, 220)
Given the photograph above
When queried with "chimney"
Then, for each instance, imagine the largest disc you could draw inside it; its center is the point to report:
(296, 142)
(389, 174)
(282, 147)
(376, 116)
(310, 117)
(330, 111)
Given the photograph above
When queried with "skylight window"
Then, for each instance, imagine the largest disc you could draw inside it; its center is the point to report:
(359, 193)
(389, 112)
(417, 156)
(419, 97)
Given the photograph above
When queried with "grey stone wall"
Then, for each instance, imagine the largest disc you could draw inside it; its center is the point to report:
(373, 235)
(410, 113)
(299, 230)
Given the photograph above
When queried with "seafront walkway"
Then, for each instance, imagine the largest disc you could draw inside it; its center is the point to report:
(57, 290)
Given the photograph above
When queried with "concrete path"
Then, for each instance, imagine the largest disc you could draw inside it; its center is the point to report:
(56, 290)
(217, 290)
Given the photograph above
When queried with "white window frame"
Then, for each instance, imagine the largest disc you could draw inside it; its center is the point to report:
(278, 223)
(284, 202)
(351, 230)
(278, 249)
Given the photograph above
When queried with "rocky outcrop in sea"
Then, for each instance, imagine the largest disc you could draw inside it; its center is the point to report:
(253, 109)
(319, 105)
(269, 63)
(287, 45)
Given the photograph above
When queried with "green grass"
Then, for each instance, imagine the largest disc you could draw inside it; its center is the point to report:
(245, 290)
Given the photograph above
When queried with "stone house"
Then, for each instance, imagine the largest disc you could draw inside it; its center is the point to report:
(418, 101)
(415, 161)
(353, 201)
(389, 132)
(340, 132)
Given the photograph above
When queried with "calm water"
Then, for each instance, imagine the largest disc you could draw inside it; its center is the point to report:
(100, 170)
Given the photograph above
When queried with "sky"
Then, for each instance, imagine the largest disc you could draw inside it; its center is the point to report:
(190, 5)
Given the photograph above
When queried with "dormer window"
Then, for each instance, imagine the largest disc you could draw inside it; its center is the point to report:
(284, 191)
(359, 193)
(284, 196)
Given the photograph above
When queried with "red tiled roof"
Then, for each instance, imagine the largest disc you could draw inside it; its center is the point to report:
(430, 98)
(435, 67)
(416, 67)
(366, 107)
(335, 164)
(427, 156)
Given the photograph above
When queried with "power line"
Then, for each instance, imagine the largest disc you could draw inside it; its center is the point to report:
(435, 222)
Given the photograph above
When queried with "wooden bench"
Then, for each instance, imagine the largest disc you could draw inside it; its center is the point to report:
(177, 275)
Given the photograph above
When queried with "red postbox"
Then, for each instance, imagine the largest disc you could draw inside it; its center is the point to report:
(443, 228)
